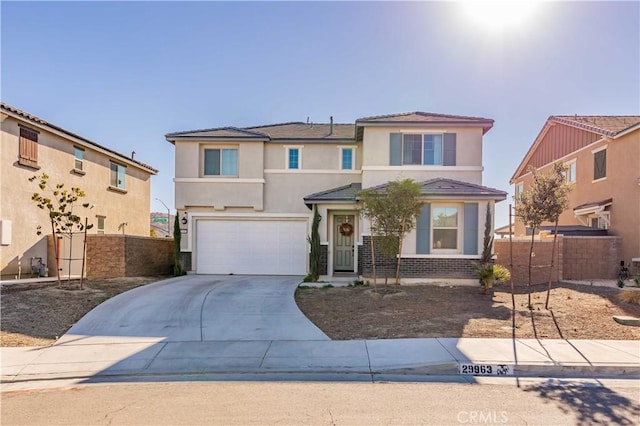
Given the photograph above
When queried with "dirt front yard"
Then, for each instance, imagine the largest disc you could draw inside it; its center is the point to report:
(37, 314)
(577, 312)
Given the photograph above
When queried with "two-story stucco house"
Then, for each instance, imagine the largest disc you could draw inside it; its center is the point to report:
(602, 157)
(117, 186)
(245, 195)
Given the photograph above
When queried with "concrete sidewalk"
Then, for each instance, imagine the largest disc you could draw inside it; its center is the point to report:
(124, 359)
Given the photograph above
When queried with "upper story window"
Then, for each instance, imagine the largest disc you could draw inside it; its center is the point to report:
(221, 162)
(28, 155)
(294, 158)
(79, 157)
(600, 164)
(571, 171)
(347, 159)
(422, 149)
(519, 190)
(118, 172)
(445, 227)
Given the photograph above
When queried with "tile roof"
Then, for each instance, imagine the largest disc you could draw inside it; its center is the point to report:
(299, 130)
(607, 125)
(595, 204)
(38, 120)
(281, 131)
(427, 118)
(342, 193)
(220, 132)
(432, 188)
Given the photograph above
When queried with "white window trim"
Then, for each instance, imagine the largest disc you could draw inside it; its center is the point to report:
(422, 135)
(568, 164)
(594, 152)
(286, 156)
(220, 148)
(459, 235)
(117, 187)
(600, 148)
(75, 158)
(341, 149)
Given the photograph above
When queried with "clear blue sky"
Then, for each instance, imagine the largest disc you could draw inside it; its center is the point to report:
(125, 73)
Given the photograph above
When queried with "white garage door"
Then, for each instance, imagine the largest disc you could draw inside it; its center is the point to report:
(253, 247)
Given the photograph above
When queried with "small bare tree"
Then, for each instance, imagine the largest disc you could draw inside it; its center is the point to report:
(543, 201)
(60, 205)
(392, 214)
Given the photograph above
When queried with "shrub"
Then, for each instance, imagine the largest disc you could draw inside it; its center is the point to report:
(630, 296)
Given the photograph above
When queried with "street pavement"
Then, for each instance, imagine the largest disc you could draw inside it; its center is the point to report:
(250, 328)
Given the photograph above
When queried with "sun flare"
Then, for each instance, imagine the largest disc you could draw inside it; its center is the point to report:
(500, 15)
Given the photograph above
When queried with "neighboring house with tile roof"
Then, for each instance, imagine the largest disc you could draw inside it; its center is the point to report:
(117, 185)
(602, 156)
(245, 196)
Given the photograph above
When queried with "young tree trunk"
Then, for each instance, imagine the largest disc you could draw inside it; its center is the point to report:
(513, 297)
(84, 252)
(373, 260)
(400, 253)
(55, 251)
(533, 235)
(553, 254)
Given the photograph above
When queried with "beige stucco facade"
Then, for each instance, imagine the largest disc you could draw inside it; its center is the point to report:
(266, 189)
(621, 184)
(56, 157)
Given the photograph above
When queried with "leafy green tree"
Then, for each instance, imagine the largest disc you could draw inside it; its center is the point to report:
(392, 214)
(543, 201)
(314, 242)
(60, 206)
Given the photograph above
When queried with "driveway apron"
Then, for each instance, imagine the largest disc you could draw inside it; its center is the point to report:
(202, 308)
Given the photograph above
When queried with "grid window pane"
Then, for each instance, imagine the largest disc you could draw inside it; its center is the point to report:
(445, 239)
(432, 149)
(117, 175)
(445, 217)
(79, 154)
(347, 159)
(412, 149)
(294, 156)
(600, 164)
(230, 162)
(212, 162)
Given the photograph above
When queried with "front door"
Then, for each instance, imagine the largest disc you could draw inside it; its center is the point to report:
(344, 236)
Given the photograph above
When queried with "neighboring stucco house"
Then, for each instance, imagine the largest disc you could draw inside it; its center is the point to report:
(245, 195)
(602, 156)
(116, 185)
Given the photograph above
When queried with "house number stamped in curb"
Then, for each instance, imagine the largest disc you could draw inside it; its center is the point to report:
(485, 370)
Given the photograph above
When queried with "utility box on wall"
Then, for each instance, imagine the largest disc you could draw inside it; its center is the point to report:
(5, 232)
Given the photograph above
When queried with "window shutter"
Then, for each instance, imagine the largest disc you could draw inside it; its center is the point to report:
(470, 229)
(449, 151)
(28, 147)
(600, 164)
(395, 149)
(423, 230)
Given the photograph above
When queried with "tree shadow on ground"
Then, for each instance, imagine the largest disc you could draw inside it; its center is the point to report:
(592, 404)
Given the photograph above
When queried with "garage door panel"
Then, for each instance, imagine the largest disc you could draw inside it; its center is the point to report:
(274, 247)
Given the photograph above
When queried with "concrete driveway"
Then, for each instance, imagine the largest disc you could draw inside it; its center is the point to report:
(202, 308)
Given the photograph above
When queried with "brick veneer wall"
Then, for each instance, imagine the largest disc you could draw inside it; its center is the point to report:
(413, 267)
(324, 259)
(578, 258)
(112, 256)
(592, 257)
(541, 260)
